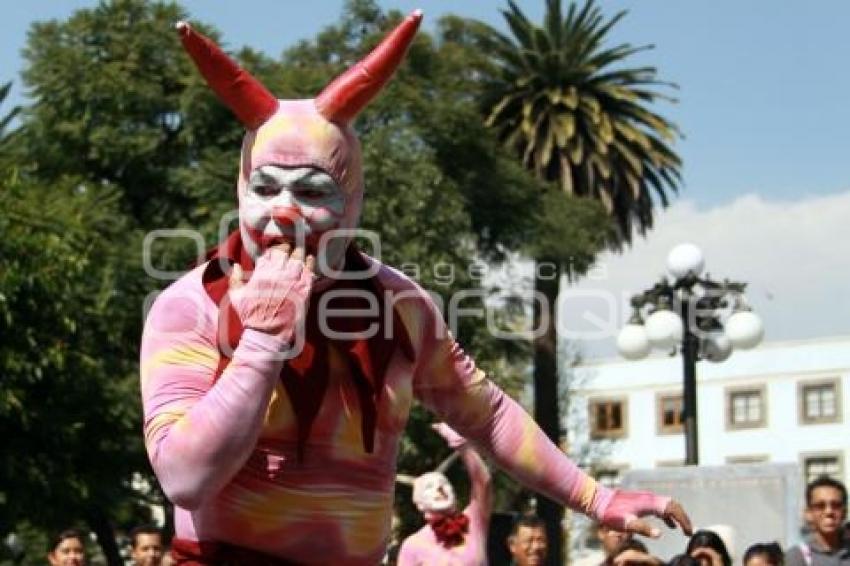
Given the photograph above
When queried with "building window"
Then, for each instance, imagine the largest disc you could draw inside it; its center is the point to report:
(671, 413)
(609, 476)
(820, 402)
(826, 464)
(607, 418)
(746, 408)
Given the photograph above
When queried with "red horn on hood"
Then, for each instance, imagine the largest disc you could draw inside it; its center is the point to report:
(346, 96)
(252, 103)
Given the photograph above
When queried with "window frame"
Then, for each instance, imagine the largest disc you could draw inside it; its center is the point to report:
(822, 454)
(622, 432)
(675, 463)
(661, 428)
(729, 394)
(802, 386)
(617, 470)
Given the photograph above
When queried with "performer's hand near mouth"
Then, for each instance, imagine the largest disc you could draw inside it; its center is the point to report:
(274, 298)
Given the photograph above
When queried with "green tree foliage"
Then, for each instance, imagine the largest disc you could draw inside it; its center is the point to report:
(7, 137)
(115, 100)
(70, 435)
(576, 116)
(121, 137)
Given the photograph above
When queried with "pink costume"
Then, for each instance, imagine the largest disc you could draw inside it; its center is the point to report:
(296, 459)
(424, 547)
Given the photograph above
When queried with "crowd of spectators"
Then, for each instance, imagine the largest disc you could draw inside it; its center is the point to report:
(146, 548)
(827, 544)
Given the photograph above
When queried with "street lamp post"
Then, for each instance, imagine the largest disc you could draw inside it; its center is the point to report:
(690, 352)
(703, 318)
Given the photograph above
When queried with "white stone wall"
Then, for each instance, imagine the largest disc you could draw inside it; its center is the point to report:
(779, 367)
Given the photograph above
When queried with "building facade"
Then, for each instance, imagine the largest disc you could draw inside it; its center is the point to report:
(781, 402)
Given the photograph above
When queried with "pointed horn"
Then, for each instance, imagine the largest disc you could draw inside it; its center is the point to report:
(404, 479)
(445, 464)
(346, 96)
(252, 103)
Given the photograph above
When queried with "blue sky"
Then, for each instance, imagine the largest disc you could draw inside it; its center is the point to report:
(763, 99)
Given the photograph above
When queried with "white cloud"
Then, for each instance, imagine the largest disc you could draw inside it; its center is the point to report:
(792, 254)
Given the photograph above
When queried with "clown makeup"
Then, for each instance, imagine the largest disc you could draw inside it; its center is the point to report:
(433, 493)
(293, 205)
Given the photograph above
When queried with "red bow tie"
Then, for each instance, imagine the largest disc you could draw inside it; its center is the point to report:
(450, 529)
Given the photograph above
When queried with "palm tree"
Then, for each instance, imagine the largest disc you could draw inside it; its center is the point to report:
(580, 118)
(574, 117)
(6, 138)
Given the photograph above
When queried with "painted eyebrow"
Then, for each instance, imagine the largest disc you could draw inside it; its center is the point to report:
(261, 176)
(316, 179)
(311, 178)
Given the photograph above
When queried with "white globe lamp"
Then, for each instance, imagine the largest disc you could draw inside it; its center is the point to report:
(632, 342)
(664, 328)
(744, 329)
(717, 347)
(685, 259)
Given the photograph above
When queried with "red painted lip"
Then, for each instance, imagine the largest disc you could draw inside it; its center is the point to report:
(269, 241)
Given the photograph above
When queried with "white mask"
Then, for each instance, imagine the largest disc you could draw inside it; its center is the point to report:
(432, 493)
(294, 205)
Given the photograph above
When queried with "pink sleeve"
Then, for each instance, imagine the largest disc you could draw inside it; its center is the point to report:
(199, 433)
(447, 382)
(480, 500)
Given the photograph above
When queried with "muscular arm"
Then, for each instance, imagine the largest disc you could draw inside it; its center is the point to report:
(447, 382)
(199, 433)
(481, 494)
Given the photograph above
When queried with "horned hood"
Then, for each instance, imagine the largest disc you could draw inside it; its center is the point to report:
(313, 132)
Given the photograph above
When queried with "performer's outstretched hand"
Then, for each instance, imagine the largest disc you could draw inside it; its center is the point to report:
(274, 299)
(625, 509)
(453, 439)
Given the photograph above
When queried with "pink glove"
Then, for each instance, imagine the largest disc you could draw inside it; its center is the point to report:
(620, 509)
(274, 299)
(453, 439)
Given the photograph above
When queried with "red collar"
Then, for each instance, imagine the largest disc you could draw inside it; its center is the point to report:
(450, 529)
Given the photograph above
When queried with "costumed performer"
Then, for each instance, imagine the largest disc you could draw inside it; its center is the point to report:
(274, 459)
(450, 536)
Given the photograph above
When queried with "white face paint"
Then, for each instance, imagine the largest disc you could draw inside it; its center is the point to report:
(432, 493)
(294, 205)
